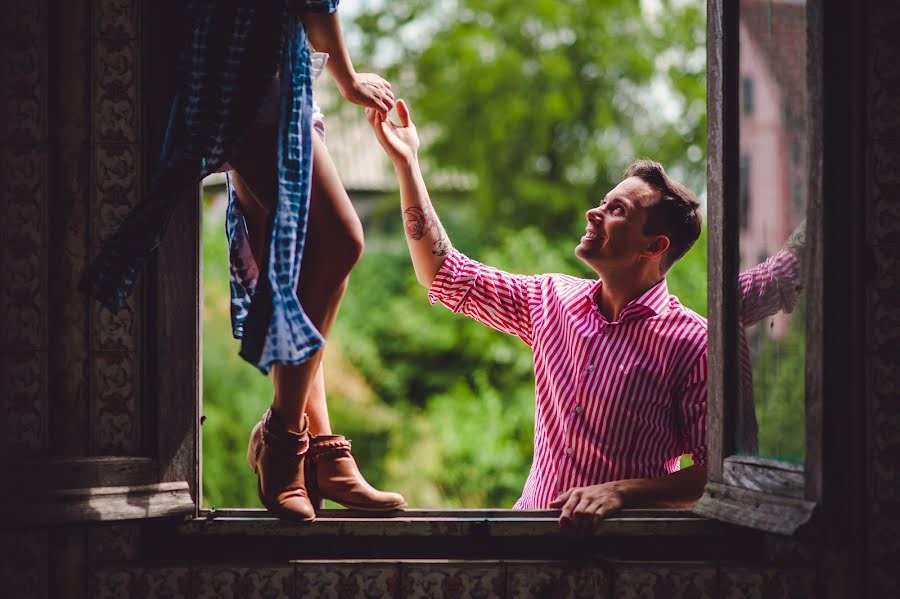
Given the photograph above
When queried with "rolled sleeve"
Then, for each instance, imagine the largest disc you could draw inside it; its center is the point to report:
(498, 299)
(693, 412)
(453, 281)
(771, 287)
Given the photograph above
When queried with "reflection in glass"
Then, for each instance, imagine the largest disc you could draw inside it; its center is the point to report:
(773, 189)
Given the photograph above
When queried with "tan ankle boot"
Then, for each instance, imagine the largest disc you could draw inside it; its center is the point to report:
(277, 456)
(333, 475)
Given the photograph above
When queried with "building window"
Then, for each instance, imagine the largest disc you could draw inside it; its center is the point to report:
(745, 191)
(747, 95)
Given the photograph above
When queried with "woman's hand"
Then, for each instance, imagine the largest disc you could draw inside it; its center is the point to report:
(401, 142)
(369, 90)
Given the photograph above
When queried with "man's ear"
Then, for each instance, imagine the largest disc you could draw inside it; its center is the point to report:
(657, 246)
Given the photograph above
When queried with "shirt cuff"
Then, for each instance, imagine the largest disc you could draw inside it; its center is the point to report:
(699, 456)
(454, 281)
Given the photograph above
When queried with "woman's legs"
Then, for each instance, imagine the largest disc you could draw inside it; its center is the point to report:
(334, 243)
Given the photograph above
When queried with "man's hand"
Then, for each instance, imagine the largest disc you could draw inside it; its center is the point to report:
(369, 90)
(584, 507)
(401, 142)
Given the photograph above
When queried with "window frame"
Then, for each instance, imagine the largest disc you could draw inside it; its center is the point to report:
(760, 493)
(781, 501)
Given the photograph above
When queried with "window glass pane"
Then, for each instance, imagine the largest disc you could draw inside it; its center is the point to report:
(773, 188)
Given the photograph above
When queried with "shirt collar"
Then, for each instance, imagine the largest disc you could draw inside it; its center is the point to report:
(653, 302)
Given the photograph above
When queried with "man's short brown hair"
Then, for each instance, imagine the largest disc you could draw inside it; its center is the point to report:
(676, 214)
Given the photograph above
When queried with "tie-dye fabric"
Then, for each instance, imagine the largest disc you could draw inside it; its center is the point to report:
(234, 51)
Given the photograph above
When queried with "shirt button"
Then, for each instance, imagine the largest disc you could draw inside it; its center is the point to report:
(578, 409)
(569, 451)
(590, 367)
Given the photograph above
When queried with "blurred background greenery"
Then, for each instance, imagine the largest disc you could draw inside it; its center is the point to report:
(540, 105)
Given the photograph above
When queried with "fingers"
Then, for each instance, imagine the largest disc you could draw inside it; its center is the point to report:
(583, 509)
(403, 113)
(563, 497)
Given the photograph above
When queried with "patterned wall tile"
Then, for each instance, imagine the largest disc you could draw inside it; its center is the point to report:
(452, 580)
(23, 299)
(116, 91)
(114, 542)
(664, 580)
(23, 378)
(347, 581)
(116, 18)
(23, 94)
(141, 583)
(755, 582)
(540, 580)
(116, 332)
(116, 187)
(23, 569)
(223, 582)
(882, 293)
(114, 405)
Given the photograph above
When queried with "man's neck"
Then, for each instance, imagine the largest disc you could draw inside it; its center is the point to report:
(619, 288)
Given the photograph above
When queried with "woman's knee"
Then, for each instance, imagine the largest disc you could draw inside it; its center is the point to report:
(350, 246)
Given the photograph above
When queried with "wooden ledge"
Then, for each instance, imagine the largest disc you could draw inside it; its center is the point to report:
(446, 534)
(445, 523)
(98, 504)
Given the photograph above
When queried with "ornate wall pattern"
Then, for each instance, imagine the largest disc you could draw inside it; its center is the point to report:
(23, 245)
(457, 579)
(883, 296)
(116, 169)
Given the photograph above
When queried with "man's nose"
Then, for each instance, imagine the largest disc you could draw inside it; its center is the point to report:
(593, 215)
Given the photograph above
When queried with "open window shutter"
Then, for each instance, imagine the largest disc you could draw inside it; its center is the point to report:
(767, 494)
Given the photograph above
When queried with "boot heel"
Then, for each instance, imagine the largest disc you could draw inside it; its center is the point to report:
(252, 446)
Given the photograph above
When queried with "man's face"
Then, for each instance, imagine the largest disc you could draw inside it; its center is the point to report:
(614, 235)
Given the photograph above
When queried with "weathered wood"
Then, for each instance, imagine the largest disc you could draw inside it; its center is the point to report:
(98, 504)
(175, 307)
(464, 513)
(765, 475)
(448, 526)
(78, 473)
(722, 226)
(762, 511)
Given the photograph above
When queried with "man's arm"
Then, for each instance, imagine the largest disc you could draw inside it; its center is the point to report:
(775, 285)
(585, 507)
(425, 236)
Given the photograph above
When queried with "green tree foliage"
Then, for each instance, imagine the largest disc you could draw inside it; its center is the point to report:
(546, 102)
(542, 104)
(779, 391)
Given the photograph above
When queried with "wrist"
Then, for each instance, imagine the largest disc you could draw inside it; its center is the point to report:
(407, 166)
(344, 76)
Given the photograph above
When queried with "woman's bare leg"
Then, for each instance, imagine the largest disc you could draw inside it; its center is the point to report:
(317, 406)
(333, 245)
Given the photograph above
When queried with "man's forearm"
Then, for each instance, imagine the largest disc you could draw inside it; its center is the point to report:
(679, 489)
(425, 236)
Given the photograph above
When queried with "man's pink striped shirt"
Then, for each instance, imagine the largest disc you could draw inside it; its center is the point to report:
(614, 400)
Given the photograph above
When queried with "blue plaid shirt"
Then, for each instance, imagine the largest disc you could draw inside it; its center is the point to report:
(235, 49)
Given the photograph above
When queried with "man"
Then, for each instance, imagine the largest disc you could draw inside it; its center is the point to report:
(620, 364)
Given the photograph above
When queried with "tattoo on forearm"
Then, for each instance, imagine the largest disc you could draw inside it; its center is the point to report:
(441, 246)
(418, 222)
